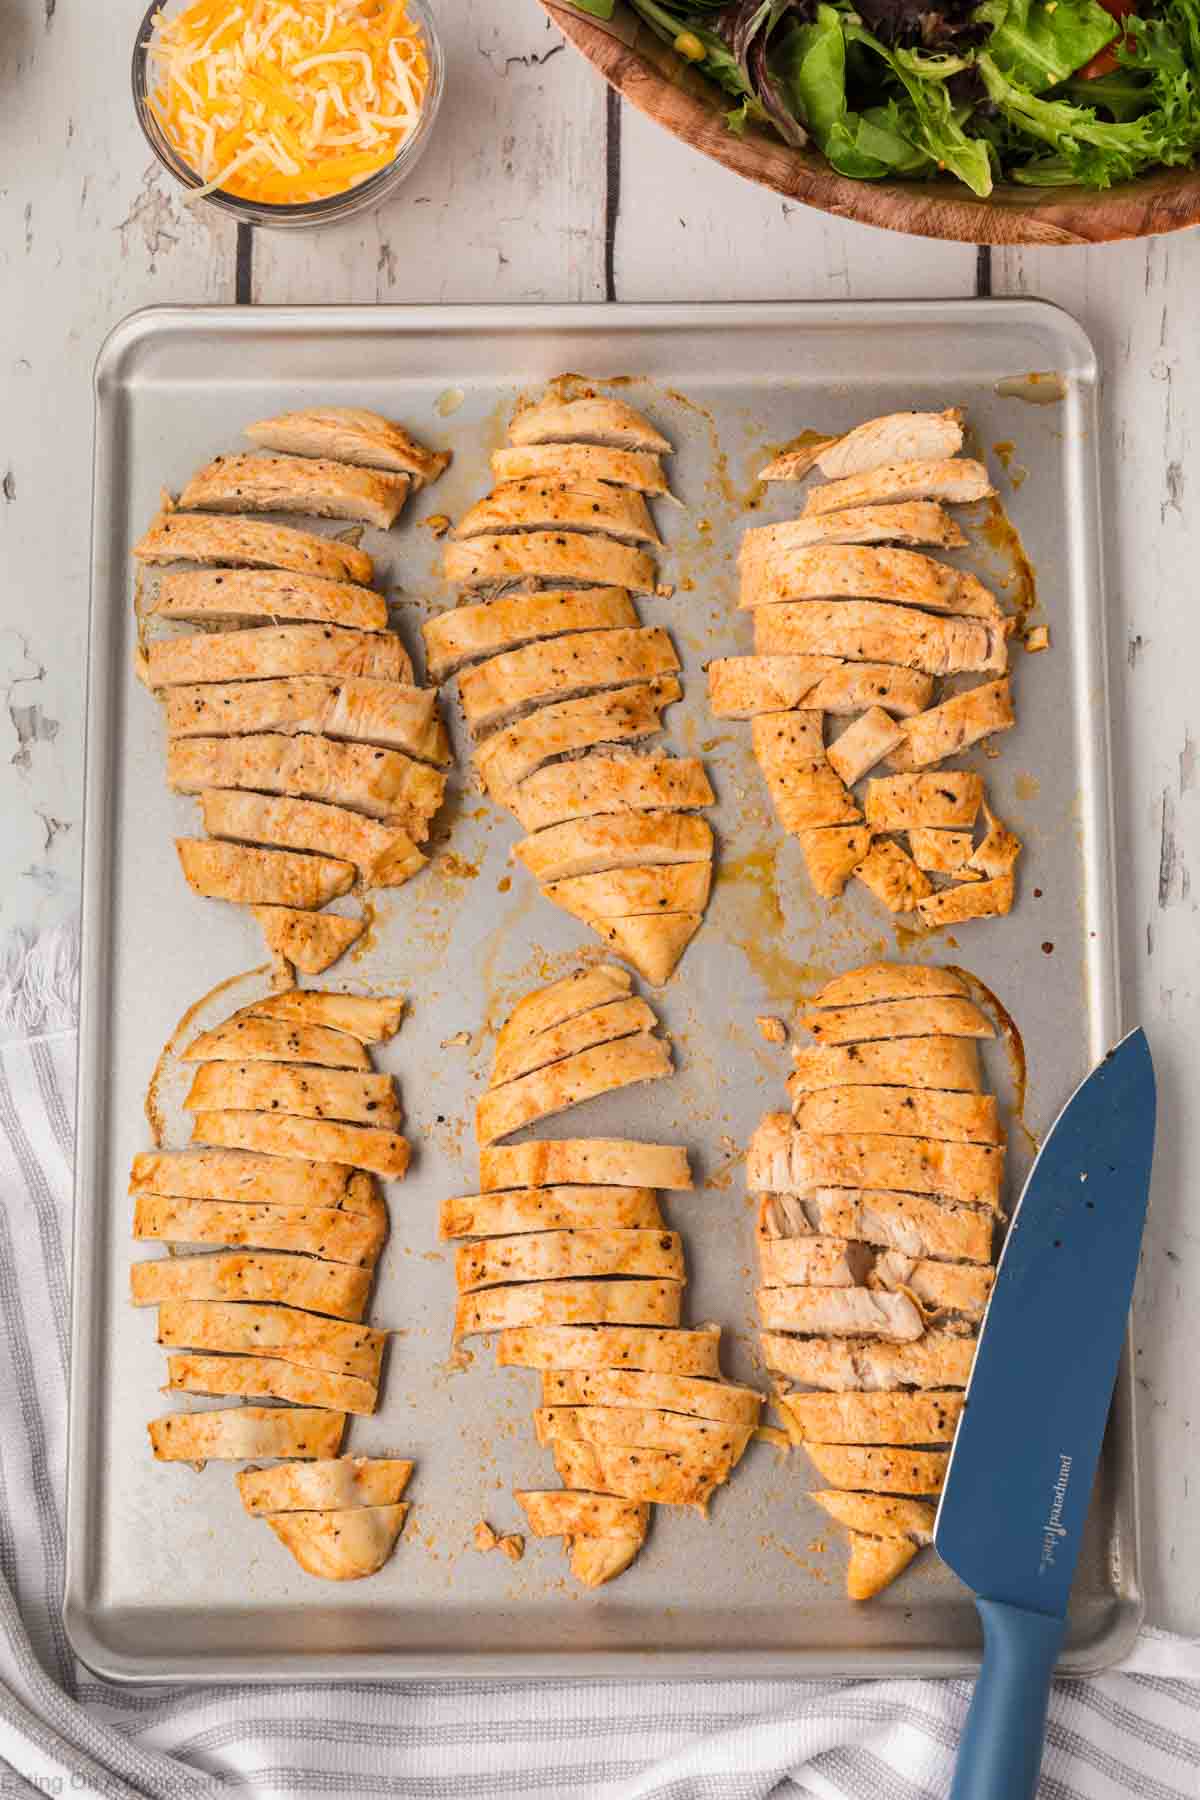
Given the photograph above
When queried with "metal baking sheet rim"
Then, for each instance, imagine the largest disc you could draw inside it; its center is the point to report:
(1117, 1634)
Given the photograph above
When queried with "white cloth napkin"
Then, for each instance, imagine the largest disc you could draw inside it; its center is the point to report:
(1136, 1733)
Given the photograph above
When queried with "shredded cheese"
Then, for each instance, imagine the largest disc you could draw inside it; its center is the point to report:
(288, 101)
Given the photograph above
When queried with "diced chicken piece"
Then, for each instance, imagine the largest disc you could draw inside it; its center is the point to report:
(559, 1512)
(551, 1006)
(889, 981)
(262, 877)
(856, 572)
(617, 783)
(619, 716)
(466, 633)
(270, 652)
(614, 841)
(955, 725)
(840, 1312)
(340, 1546)
(604, 1302)
(561, 504)
(923, 1014)
(281, 1331)
(579, 663)
(239, 1433)
(940, 1359)
(879, 631)
(804, 789)
(717, 1400)
(909, 1222)
(926, 1062)
(875, 1470)
(599, 1025)
(863, 744)
(626, 892)
(575, 556)
(359, 708)
(692, 1353)
(271, 1040)
(592, 419)
(336, 1484)
(941, 852)
(371, 1021)
(892, 876)
(939, 1286)
(239, 594)
(640, 1427)
(597, 1560)
(1037, 638)
(971, 900)
(739, 687)
(670, 1477)
(879, 1515)
(854, 686)
(334, 1289)
(540, 1095)
(311, 942)
(562, 1208)
(915, 523)
(901, 1111)
(384, 854)
(251, 544)
(554, 1255)
(895, 437)
(267, 1378)
(875, 1563)
(251, 1180)
(251, 483)
(813, 1261)
(784, 739)
(967, 1172)
(956, 480)
(321, 1140)
(896, 802)
(832, 853)
(653, 942)
(882, 1418)
(640, 469)
(384, 784)
(286, 1088)
(351, 434)
(597, 1162)
(325, 1231)
(1000, 849)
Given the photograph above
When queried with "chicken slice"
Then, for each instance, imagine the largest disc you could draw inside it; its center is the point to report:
(320, 1140)
(832, 853)
(371, 1021)
(909, 1222)
(998, 853)
(592, 419)
(956, 480)
(272, 1040)
(969, 1172)
(621, 893)
(925, 1062)
(955, 725)
(951, 797)
(941, 852)
(939, 1359)
(311, 942)
(565, 1207)
(614, 1388)
(251, 543)
(895, 437)
(262, 877)
(583, 1302)
(901, 1111)
(281, 1331)
(464, 634)
(739, 687)
(335, 1484)
(384, 784)
(600, 1070)
(618, 716)
(332, 1289)
(340, 1546)
(653, 942)
(879, 631)
(559, 1512)
(879, 1515)
(325, 1231)
(351, 434)
(358, 707)
(813, 1261)
(615, 841)
(384, 854)
(863, 744)
(878, 1470)
(857, 572)
(596, 1162)
(599, 1025)
(640, 1427)
(574, 556)
(551, 1006)
(691, 1353)
(889, 981)
(670, 1477)
(640, 469)
(785, 739)
(883, 1418)
(923, 1014)
(583, 662)
(892, 876)
(809, 795)
(560, 503)
(613, 784)
(854, 686)
(875, 1563)
(840, 1312)
(266, 1378)
(913, 523)
(971, 900)
(214, 595)
(269, 652)
(939, 1286)
(253, 483)
(238, 1433)
(251, 1180)
(554, 1255)
(287, 1088)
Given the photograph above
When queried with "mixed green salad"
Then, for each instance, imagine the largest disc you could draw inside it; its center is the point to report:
(1046, 92)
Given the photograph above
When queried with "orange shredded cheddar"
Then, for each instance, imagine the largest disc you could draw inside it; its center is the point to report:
(288, 101)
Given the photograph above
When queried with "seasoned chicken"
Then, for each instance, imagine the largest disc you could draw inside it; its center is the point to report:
(339, 1482)
(340, 1546)
(925, 1062)
(600, 1070)
(251, 483)
(832, 853)
(268, 652)
(553, 1255)
(384, 854)
(262, 877)
(273, 1040)
(598, 1162)
(604, 1302)
(599, 1025)
(939, 1286)
(840, 1312)
(739, 687)
(384, 784)
(626, 892)
(580, 663)
(972, 900)
(548, 556)
(875, 1563)
(892, 875)
(878, 631)
(351, 434)
(561, 504)
(371, 1021)
(251, 1180)
(853, 686)
(618, 716)
(895, 437)
(955, 725)
(267, 1378)
(692, 1353)
(592, 419)
(805, 792)
(940, 1359)
(251, 544)
(908, 1222)
(365, 710)
(639, 469)
(239, 594)
(998, 853)
(653, 942)
(863, 744)
(813, 1261)
(883, 1418)
(645, 1427)
(550, 1209)
(235, 1434)
(951, 797)
(957, 481)
(879, 1515)
(914, 523)
(851, 571)
(889, 981)
(615, 841)
(311, 942)
(466, 633)
(941, 852)
(325, 1231)
(553, 1005)
(610, 1388)
(331, 1288)
(922, 1014)
(322, 1140)
(880, 1470)
(558, 1512)
(280, 1331)
(901, 1111)
(968, 1172)
(670, 1477)
(614, 783)
(286, 1088)
(784, 740)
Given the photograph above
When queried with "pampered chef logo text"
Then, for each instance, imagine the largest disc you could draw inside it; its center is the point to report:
(1054, 1529)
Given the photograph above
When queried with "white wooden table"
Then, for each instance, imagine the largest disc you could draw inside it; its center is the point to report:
(540, 187)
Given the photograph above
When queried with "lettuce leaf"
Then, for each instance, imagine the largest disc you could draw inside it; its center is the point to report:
(1038, 43)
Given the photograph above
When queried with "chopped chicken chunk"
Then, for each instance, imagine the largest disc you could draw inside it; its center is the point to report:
(863, 744)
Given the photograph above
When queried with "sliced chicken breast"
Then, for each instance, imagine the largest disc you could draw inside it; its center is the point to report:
(854, 686)
(875, 1563)
(622, 715)
(806, 792)
(216, 595)
(942, 852)
(540, 1095)
(909, 1222)
(351, 434)
(956, 480)
(336, 1483)
(320, 1140)
(262, 877)
(273, 1040)
(551, 1006)
(971, 900)
(267, 652)
(892, 875)
(580, 663)
(939, 1286)
(879, 1515)
(813, 1261)
(359, 708)
(739, 687)
(901, 1111)
(640, 469)
(371, 1021)
(597, 1560)
(280, 1331)
(915, 523)
(561, 504)
(554, 1255)
(969, 1172)
(611, 1388)
(622, 893)
(885, 1418)
(384, 854)
(562, 1208)
(340, 1546)
(250, 1180)
(878, 631)
(955, 725)
(840, 1312)
(640, 1427)
(598, 1162)
(613, 784)
(783, 739)
(384, 784)
(692, 1353)
(889, 981)
(559, 1512)
(669, 1477)
(464, 634)
(852, 571)
(653, 942)
(325, 1231)
(267, 1378)
(251, 483)
(235, 1434)
(548, 556)
(1000, 850)
(925, 1062)
(940, 1359)
(310, 942)
(615, 841)
(330, 1288)
(251, 544)
(950, 797)
(864, 744)
(880, 1470)
(599, 1025)
(927, 1014)
(286, 1088)
(605, 1302)
(896, 437)
(832, 853)
(592, 419)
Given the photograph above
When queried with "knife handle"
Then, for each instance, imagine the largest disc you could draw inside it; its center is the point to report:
(1000, 1756)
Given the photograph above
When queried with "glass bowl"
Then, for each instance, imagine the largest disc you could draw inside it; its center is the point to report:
(303, 213)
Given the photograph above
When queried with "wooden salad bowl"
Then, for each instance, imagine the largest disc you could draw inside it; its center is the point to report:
(650, 75)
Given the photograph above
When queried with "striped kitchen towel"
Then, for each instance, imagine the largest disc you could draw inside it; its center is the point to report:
(1136, 1733)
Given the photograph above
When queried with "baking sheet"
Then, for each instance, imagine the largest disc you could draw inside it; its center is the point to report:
(167, 1578)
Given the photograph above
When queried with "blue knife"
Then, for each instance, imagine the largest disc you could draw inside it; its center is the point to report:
(1020, 1476)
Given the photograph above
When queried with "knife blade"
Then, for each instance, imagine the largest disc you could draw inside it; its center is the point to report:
(1015, 1500)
